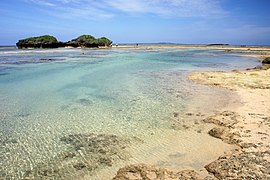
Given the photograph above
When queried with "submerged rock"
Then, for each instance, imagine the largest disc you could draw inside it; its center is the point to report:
(5, 141)
(85, 102)
(3, 74)
(84, 154)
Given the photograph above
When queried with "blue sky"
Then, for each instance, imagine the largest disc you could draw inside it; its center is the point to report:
(139, 21)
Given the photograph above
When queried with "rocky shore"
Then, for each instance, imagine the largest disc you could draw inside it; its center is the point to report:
(247, 127)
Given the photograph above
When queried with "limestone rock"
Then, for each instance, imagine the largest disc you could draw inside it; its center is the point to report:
(145, 172)
(225, 119)
(248, 165)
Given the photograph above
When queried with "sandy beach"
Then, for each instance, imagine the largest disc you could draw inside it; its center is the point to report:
(246, 126)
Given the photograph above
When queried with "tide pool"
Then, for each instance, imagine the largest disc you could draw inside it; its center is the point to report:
(68, 113)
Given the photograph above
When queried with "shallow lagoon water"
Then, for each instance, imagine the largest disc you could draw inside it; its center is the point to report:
(68, 113)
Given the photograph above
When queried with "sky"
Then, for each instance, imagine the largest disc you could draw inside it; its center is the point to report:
(237, 22)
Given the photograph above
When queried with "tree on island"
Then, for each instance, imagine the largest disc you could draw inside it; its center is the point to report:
(85, 41)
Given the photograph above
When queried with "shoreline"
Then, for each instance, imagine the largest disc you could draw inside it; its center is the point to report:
(246, 127)
(241, 109)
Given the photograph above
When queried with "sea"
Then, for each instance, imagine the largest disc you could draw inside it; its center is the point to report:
(84, 113)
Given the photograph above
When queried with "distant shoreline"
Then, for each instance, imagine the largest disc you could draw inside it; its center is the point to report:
(173, 44)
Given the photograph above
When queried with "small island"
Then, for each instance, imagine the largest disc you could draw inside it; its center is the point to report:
(47, 41)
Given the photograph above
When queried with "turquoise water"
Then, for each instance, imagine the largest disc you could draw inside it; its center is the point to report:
(79, 112)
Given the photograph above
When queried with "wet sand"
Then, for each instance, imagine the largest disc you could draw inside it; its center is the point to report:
(253, 51)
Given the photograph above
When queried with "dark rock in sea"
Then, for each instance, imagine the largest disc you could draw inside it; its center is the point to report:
(5, 141)
(266, 60)
(105, 161)
(45, 41)
(79, 166)
(263, 67)
(3, 74)
(45, 59)
(85, 102)
(217, 44)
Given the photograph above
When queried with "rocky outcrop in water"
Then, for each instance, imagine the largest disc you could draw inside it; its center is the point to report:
(89, 41)
(217, 45)
(46, 41)
(40, 42)
(266, 60)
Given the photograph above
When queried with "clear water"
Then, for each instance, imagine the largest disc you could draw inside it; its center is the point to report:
(68, 113)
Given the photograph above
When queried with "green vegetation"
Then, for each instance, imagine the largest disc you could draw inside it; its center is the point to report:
(39, 42)
(89, 41)
(104, 41)
(86, 41)
(44, 39)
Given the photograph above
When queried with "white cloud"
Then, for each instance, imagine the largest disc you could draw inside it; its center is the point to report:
(83, 13)
(127, 6)
(42, 2)
(178, 8)
(110, 8)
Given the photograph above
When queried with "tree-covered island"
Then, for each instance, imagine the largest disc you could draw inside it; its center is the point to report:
(46, 41)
